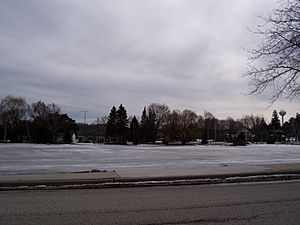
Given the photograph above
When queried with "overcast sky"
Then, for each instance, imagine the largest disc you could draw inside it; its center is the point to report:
(91, 55)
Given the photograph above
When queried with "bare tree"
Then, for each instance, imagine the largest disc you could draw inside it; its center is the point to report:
(254, 125)
(181, 126)
(275, 63)
(232, 127)
(47, 115)
(4, 120)
(188, 125)
(161, 112)
(16, 108)
(100, 124)
(250, 122)
(210, 123)
(13, 109)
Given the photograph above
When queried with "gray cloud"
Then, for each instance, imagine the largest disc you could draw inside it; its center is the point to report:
(92, 55)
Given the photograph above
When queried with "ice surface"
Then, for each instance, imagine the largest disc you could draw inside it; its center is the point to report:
(33, 158)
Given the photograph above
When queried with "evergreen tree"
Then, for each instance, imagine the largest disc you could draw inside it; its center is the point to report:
(143, 125)
(121, 124)
(151, 126)
(148, 125)
(275, 132)
(275, 122)
(111, 127)
(240, 139)
(134, 131)
(68, 127)
(263, 130)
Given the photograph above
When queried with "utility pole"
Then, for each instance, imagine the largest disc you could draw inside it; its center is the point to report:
(215, 130)
(84, 116)
(5, 130)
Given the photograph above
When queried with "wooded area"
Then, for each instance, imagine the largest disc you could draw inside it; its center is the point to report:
(44, 123)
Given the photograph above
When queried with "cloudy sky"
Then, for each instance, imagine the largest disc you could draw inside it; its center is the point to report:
(91, 55)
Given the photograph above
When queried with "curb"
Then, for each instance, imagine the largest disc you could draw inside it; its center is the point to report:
(151, 181)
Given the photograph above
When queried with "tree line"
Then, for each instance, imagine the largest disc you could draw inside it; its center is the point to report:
(158, 123)
(35, 123)
(44, 123)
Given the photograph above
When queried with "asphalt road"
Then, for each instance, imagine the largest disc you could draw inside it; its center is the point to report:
(256, 203)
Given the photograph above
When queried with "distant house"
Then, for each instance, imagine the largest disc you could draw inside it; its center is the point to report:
(85, 139)
(90, 133)
(112, 140)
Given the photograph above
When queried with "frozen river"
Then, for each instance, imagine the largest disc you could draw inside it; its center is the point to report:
(33, 158)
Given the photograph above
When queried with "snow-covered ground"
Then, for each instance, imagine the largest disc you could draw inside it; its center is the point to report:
(33, 158)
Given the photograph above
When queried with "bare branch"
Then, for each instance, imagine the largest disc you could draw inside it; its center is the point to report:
(276, 62)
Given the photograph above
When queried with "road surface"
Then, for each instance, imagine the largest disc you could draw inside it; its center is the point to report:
(256, 203)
